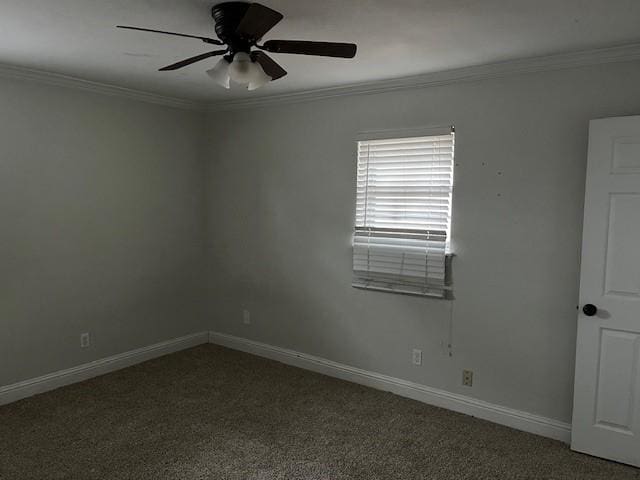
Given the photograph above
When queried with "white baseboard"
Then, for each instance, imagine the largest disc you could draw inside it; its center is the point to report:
(509, 417)
(51, 381)
(517, 419)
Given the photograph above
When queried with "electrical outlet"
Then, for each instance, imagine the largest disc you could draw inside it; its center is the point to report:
(246, 317)
(467, 378)
(84, 340)
(417, 357)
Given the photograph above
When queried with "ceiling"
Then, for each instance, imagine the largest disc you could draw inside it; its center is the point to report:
(396, 38)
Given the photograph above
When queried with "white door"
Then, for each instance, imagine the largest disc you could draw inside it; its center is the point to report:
(606, 410)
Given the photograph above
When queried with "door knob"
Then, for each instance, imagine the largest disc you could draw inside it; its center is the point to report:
(590, 310)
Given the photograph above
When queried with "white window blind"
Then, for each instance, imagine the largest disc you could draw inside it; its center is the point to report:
(403, 214)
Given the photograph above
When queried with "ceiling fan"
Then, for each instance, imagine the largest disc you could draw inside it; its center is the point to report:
(239, 27)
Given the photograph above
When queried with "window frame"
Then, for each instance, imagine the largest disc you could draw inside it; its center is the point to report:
(397, 134)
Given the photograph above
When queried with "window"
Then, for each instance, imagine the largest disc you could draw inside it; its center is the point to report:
(403, 213)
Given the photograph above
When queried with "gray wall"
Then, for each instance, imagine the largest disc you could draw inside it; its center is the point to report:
(105, 208)
(101, 226)
(281, 192)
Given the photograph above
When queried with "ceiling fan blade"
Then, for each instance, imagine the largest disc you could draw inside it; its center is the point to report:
(323, 49)
(204, 39)
(269, 65)
(257, 21)
(189, 61)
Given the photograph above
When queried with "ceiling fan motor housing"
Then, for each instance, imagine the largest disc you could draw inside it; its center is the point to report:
(227, 16)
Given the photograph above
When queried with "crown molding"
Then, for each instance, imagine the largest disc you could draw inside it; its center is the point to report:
(49, 78)
(584, 58)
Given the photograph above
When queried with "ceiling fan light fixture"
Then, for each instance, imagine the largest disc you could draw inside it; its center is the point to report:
(241, 69)
(260, 78)
(220, 73)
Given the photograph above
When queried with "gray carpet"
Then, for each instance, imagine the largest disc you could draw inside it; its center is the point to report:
(213, 413)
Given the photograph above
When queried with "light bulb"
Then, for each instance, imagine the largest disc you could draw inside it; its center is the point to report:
(220, 73)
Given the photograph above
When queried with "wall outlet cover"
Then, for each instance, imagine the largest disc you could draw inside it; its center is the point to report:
(416, 358)
(467, 378)
(85, 340)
